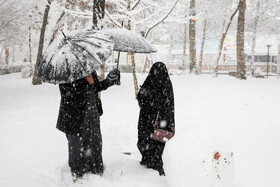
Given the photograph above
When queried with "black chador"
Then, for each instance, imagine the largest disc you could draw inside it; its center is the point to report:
(156, 101)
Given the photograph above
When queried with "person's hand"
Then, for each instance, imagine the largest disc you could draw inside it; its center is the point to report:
(114, 76)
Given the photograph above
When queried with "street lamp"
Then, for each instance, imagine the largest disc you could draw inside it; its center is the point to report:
(268, 46)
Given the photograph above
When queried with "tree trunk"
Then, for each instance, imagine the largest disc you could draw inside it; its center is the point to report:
(132, 56)
(147, 63)
(7, 54)
(134, 75)
(278, 62)
(170, 52)
(13, 54)
(98, 14)
(29, 45)
(184, 47)
(192, 46)
(97, 19)
(2, 50)
(36, 80)
(145, 60)
(221, 43)
(256, 20)
(241, 67)
(58, 23)
(199, 69)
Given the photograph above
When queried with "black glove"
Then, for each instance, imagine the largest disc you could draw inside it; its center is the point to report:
(114, 77)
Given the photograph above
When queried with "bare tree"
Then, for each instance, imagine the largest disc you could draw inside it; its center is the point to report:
(184, 46)
(221, 41)
(97, 20)
(98, 14)
(14, 23)
(7, 55)
(36, 80)
(138, 15)
(278, 62)
(135, 81)
(256, 20)
(29, 45)
(59, 22)
(192, 39)
(2, 50)
(162, 19)
(241, 67)
(199, 68)
(170, 51)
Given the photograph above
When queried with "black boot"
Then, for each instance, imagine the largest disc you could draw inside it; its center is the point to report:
(142, 163)
(161, 171)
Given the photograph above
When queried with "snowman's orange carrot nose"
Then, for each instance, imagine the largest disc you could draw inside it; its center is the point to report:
(217, 156)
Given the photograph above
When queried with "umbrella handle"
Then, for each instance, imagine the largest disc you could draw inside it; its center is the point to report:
(118, 60)
(63, 34)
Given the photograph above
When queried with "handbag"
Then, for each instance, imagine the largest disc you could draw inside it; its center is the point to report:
(160, 134)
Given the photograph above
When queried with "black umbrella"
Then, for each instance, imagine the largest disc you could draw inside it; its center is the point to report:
(74, 56)
(129, 41)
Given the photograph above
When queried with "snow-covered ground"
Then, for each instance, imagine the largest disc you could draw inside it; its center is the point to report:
(34, 153)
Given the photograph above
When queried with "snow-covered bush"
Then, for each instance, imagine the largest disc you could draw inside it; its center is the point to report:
(4, 70)
(198, 158)
(7, 69)
(176, 72)
(26, 70)
(259, 73)
(232, 73)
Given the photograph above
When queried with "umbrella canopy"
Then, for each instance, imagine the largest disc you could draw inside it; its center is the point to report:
(74, 56)
(129, 41)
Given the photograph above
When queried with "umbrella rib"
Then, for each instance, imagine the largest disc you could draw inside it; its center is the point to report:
(78, 58)
(88, 53)
(86, 42)
(49, 60)
(106, 40)
(80, 63)
(102, 39)
(67, 67)
(44, 58)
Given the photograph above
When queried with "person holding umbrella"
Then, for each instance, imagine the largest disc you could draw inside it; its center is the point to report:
(71, 61)
(78, 118)
(156, 119)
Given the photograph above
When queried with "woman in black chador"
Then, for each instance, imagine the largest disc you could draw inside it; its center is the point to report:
(156, 101)
(80, 109)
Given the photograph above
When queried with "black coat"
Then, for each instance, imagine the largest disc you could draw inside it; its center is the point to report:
(73, 101)
(156, 101)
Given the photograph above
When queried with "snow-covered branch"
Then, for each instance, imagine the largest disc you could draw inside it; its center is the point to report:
(80, 14)
(3, 2)
(135, 5)
(108, 15)
(162, 18)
